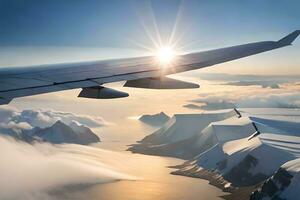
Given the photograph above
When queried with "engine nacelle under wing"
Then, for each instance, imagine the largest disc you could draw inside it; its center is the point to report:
(160, 83)
(100, 92)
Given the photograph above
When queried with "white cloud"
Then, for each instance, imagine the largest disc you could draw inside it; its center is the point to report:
(251, 97)
(45, 118)
(6, 113)
(288, 100)
(15, 126)
(31, 171)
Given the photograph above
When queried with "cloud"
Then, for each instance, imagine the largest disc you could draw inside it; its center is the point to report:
(46, 118)
(213, 104)
(6, 113)
(247, 77)
(33, 171)
(284, 100)
(36, 171)
(271, 101)
(264, 84)
(192, 106)
(15, 126)
(224, 96)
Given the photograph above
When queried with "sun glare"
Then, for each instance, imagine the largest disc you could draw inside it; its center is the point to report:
(165, 55)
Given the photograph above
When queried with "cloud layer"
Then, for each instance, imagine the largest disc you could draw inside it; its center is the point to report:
(255, 101)
(247, 77)
(264, 84)
(287, 96)
(31, 171)
(46, 118)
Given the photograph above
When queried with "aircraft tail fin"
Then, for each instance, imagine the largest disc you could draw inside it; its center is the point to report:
(287, 40)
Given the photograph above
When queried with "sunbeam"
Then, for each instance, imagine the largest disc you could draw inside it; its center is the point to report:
(164, 49)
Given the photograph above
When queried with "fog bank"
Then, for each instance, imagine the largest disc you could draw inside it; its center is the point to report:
(31, 171)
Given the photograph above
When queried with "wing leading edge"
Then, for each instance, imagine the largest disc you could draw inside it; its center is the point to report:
(26, 81)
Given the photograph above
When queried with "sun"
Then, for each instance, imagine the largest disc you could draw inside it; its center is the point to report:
(165, 55)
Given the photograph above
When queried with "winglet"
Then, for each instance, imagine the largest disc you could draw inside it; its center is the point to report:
(287, 40)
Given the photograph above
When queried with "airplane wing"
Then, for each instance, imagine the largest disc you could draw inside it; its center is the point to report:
(141, 72)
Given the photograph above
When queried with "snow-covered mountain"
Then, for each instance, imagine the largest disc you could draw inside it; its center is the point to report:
(58, 133)
(61, 133)
(155, 120)
(250, 159)
(245, 162)
(183, 126)
(228, 149)
(187, 135)
(283, 184)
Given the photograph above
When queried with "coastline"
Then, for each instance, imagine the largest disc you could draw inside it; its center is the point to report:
(215, 179)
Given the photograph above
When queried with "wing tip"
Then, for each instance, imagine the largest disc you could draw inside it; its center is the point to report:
(289, 39)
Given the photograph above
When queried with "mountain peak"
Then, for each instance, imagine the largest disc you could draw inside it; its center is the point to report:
(59, 123)
(155, 119)
(60, 132)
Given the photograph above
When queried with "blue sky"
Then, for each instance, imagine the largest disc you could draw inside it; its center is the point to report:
(113, 23)
(127, 24)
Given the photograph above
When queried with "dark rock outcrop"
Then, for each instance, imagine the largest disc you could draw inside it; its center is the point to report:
(273, 186)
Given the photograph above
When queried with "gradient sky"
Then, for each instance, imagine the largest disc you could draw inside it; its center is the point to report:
(94, 26)
(109, 23)
(34, 32)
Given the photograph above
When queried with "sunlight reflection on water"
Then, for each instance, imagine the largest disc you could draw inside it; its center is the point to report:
(155, 182)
